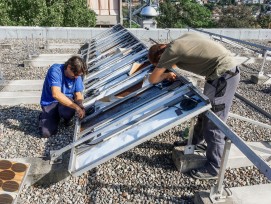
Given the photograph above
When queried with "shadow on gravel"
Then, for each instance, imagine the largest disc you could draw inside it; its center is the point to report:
(156, 145)
(246, 81)
(22, 119)
(120, 192)
(266, 90)
(162, 160)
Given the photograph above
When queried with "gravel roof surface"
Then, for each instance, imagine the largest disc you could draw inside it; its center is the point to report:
(144, 174)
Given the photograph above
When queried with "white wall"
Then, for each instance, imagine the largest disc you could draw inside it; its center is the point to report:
(9, 32)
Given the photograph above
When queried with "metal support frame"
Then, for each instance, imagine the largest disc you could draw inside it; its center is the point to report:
(190, 148)
(259, 162)
(264, 59)
(216, 194)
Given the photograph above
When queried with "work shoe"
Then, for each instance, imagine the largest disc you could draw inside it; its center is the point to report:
(180, 143)
(198, 147)
(202, 174)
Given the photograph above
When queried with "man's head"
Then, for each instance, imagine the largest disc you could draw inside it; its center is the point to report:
(75, 67)
(155, 53)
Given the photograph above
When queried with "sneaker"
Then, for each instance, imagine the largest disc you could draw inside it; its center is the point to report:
(202, 173)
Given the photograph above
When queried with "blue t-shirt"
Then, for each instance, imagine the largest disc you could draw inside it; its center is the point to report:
(56, 77)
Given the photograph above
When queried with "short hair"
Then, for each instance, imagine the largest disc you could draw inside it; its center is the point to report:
(77, 65)
(155, 52)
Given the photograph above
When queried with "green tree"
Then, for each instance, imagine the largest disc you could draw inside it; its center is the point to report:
(73, 13)
(4, 10)
(55, 13)
(184, 13)
(240, 16)
(264, 20)
(26, 12)
(77, 14)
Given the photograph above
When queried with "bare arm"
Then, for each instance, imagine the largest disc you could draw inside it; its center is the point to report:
(159, 75)
(64, 100)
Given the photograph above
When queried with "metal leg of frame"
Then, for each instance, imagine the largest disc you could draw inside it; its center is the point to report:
(216, 194)
(264, 59)
(189, 148)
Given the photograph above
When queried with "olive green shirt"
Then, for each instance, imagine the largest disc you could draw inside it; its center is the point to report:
(198, 54)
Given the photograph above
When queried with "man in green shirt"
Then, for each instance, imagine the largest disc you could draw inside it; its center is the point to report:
(203, 56)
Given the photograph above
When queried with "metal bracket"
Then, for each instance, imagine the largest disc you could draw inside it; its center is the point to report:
(55, 159)
(189, 149)
(218, 197)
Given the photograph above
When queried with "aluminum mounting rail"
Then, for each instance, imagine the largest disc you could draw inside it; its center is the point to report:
(118, 54)
(108, 69)
(101, 36)
(111, 40)
(123, 45)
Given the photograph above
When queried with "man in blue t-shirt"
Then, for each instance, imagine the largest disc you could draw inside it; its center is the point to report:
(62, 95)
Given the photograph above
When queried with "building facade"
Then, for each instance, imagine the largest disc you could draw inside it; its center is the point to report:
(109, 12)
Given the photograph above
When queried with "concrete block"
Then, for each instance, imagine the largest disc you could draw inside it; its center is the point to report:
(244, 60)
(16, 98)
(5, 46)
(44, 60)
(252, 194)
(258, 79)
(237, 159)
(269, 80)
(63, 46)
(184, 163)
(22, 85)
(240, 195)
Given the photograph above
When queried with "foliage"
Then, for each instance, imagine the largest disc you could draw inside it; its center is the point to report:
(77, 14)
(26, 12)
(72, 13)
(264, 20)
(4, 10)
(184, 13)
(55, 13)
(240, 16)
